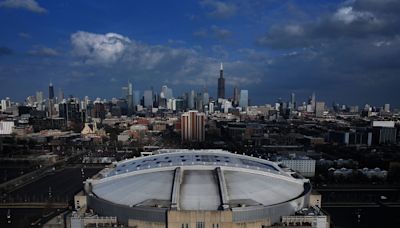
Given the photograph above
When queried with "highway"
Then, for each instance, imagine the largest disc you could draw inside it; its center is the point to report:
(31, 202)
(60, 185)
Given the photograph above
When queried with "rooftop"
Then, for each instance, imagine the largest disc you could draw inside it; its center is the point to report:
(196, 180)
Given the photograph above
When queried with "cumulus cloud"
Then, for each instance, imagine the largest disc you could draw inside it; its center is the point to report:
(123, 57)
(354, 20)
(219, 9)
(99, 48)
(30, 5)
(43, 51)
(347, 15)
(352, 48)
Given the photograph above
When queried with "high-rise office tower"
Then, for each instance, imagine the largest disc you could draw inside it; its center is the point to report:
(5, 104)
(211, 107)
(51, 100)
(136, 97)
(125, 92)
(191, 99)
(39, 97)
(206, 98)
(199, 102)
(292, 101)
(70, 110)
(221, 83)
(236, 96)
(319, 109)
(51, 91)
(387, 108)
(98, 110)
(148, 98)
(193, 126)
(60, 95)
(244, 99)
(129, 98)
(313, 102)
(39, 100)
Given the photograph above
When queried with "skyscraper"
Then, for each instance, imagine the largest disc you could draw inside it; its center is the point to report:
(387, 108)
(136, 97)
(193, 126)
(292, 101)
(191, 99)
(129, 98)
(236, 96)
(51, 91)
(199, 102)
(51, 100)
(5, 104)
(313, 102)
(244, 99)
(148, 98)
(39, 97)
(206, 98)
(221, 83)
(125, 92)
(319, 109)
(60, 95)
(39, 101)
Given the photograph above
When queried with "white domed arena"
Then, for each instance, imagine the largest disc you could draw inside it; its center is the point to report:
(196, 189)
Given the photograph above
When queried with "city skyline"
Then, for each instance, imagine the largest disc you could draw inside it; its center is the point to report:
(345, 51)
(199, 113)
(128, 92)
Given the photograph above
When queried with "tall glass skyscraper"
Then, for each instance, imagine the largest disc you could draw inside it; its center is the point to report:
(221, 83)
(51, 91)
(244, 99)
(148, 98)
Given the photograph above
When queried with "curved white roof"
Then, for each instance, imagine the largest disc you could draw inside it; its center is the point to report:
(197, 180)
(182, 157)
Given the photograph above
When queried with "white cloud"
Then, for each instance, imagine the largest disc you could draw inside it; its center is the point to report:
(347, 15)
(382, 43)
(131, 58)
(30, 5)
(99, 48)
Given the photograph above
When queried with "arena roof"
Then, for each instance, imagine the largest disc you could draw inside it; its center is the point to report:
(167, 158)
(196, 180)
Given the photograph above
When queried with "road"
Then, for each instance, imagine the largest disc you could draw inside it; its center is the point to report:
(19, 217)
(63, 184)
(60, 185)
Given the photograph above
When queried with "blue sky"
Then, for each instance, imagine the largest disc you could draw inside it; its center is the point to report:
(345, 51)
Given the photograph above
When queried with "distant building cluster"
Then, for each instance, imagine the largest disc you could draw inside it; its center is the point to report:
(194, 115)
